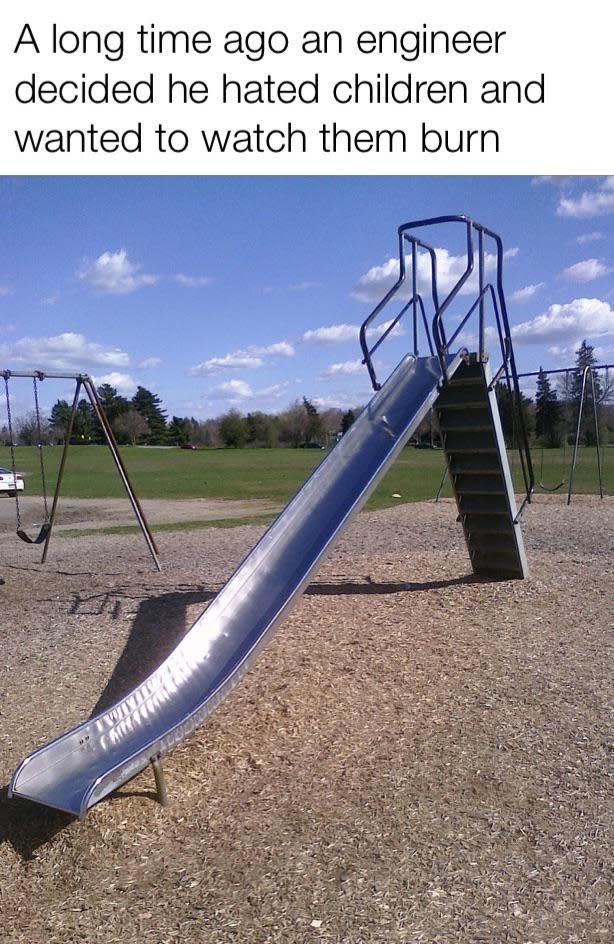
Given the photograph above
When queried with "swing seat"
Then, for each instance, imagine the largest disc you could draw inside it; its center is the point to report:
(39, 539)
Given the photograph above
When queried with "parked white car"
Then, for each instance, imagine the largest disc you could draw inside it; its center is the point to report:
(9, 483)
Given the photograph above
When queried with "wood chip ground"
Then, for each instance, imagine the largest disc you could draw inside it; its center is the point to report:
(418, 756)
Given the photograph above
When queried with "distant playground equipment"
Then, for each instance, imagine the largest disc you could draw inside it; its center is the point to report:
(85, 383)
(84, 765)
(588, 378)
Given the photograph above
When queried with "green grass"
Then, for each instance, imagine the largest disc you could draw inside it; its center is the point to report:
(273, 474)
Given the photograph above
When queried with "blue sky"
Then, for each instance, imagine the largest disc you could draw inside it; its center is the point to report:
(246, 292)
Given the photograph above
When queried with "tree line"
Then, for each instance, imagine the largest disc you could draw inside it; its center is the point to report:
(551, 418)
(142, 420)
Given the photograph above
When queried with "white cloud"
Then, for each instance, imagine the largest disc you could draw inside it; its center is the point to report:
(273, 392)
(586, 271)
(114, 274)
(237, 361)
(341, 333)
(150, 362)
(597, 202)
(123, 383)
(583, 317)
(234, 388)
(246, 359)
(331, 334)
(285, 348)
(5, 291)
(237, 392)
(342, 401)
(192, 281)
(343, 369)
(373, 285)
(593, 237)
(565, 355)
(523, 294)
(69, 351)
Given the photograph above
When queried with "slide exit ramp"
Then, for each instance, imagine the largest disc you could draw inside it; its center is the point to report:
(82, 766)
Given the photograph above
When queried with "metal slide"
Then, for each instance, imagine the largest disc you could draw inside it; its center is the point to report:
(82, 766)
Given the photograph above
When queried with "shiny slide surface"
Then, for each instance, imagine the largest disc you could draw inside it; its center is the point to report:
(82, 766)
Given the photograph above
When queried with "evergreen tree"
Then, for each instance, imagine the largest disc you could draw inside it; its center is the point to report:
(85, 427)
(112, 402)
(585, 361)
(113, 405)
(508, 411)
(149, 405)
(59, 420)
(547, 412)
(180, 431)
(346, 420)
(314, 432)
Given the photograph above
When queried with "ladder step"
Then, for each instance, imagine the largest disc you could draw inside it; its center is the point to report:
(502, 571)
(493, 544)
(465, 423)
(493, 555)
(486, 524)
(471, 485)
(463, 399)
(475, 465)
(480, 504)
(470, 443)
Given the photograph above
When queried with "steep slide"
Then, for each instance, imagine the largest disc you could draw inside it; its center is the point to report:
(82, 766)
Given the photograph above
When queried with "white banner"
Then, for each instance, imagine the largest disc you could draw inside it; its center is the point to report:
(318, 88)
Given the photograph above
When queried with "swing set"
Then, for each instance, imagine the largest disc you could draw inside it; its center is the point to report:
(588, 378)
(82, 383)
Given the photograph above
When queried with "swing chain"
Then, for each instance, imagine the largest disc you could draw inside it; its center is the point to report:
(9, 417)
(40, 376)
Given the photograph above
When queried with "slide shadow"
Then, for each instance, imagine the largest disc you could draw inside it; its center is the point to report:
(159, 625)
(28, 826)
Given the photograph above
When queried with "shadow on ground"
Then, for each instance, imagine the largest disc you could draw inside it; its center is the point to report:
(28, 826)
(162, 621)
(160, 624)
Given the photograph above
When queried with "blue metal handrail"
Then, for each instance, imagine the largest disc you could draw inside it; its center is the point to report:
(437, 337)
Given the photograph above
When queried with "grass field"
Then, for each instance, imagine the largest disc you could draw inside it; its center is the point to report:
(273, 474)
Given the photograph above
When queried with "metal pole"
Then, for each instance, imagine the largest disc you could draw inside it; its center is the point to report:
(441, 484)
(112, 444)
(160, 781)
(575, 448)
(58, 484)
(481, 292)
(414, 284)
(597, 436)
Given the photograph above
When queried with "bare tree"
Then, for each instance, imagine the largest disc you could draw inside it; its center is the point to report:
(131, 427)
(27, 430)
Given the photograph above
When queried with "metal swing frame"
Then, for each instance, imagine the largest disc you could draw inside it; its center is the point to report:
(588, 376)
(82, 382)
(43, 533)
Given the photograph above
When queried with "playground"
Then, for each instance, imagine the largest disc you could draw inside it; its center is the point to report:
(419, 755)
(451, 784)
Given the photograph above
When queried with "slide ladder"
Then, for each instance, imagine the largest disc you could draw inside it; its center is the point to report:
(479, 470)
